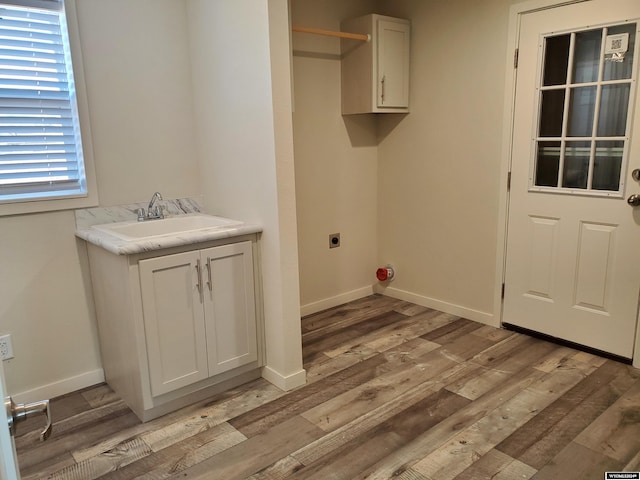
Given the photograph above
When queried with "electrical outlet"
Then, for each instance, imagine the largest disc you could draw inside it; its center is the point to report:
(6, 348)
(334, 240)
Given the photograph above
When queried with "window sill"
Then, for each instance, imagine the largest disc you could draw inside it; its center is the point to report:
(42, 206)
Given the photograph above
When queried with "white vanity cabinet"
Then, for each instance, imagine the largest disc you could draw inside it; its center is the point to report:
(199, 314)
(375, 74)
(178, 325)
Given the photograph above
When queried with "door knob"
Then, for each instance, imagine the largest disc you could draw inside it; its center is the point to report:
(17, 412)
(635, 174)
(634, 200)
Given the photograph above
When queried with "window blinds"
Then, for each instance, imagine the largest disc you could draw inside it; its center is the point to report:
(40, 145)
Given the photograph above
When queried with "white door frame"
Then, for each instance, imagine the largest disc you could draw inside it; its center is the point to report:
(515, 16)
(8, 459)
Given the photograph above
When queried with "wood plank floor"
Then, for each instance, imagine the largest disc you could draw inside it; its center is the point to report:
(394, 390)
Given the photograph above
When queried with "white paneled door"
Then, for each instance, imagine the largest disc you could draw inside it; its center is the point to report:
(8, 461)
(573, 248)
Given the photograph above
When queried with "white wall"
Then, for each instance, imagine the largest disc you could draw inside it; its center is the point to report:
(135, 57)
(138, 73)
(336, 165)
(440, 167)
(241, 80)
(46, 305)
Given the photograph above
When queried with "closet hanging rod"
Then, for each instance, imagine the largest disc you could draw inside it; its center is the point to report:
(331, 33)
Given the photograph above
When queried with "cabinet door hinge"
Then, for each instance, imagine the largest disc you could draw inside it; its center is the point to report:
(502, 294)
(509, 182)
(515, 58)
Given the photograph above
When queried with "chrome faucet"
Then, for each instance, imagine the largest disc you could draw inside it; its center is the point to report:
(151, 213)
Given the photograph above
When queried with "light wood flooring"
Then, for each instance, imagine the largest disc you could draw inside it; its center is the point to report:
(394, 391)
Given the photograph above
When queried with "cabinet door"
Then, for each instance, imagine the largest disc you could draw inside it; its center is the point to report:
(230, 307)
(393, 64)
(173, 321)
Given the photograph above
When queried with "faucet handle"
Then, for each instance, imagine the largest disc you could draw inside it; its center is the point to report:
(141, 215)
(159, 211)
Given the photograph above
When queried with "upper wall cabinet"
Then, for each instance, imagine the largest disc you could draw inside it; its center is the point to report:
(375, 74)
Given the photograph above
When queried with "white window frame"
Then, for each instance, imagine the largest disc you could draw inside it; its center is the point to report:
(91, 198)
(564, 138)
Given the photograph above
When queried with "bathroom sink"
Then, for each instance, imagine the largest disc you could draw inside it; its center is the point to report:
(134, 230)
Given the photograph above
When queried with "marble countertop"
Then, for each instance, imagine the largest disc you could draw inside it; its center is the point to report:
(86, 218)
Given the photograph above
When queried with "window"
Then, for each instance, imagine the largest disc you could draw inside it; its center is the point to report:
(585, 92)
(41, 155)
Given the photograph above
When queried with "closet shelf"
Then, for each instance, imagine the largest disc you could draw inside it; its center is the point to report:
(332, 33)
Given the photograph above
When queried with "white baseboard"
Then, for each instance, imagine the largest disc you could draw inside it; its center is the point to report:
(60, 387)
(286, 383)
(283, 382)
(471, 314)
(331, 302)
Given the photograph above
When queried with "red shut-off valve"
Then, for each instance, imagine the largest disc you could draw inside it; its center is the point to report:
(385, 273)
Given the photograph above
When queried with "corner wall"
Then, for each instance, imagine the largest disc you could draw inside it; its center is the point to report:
(241, 79)
(440, 168)
(336, 164)
(419, 191)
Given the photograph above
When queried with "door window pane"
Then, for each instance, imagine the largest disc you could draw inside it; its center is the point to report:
(608, 162)
(551, 113)
(586, 61)
(581, 108)
(614, 104)
(586, 86)
(548, 164)
(556, 60)
(576, 164)
(617, 68)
